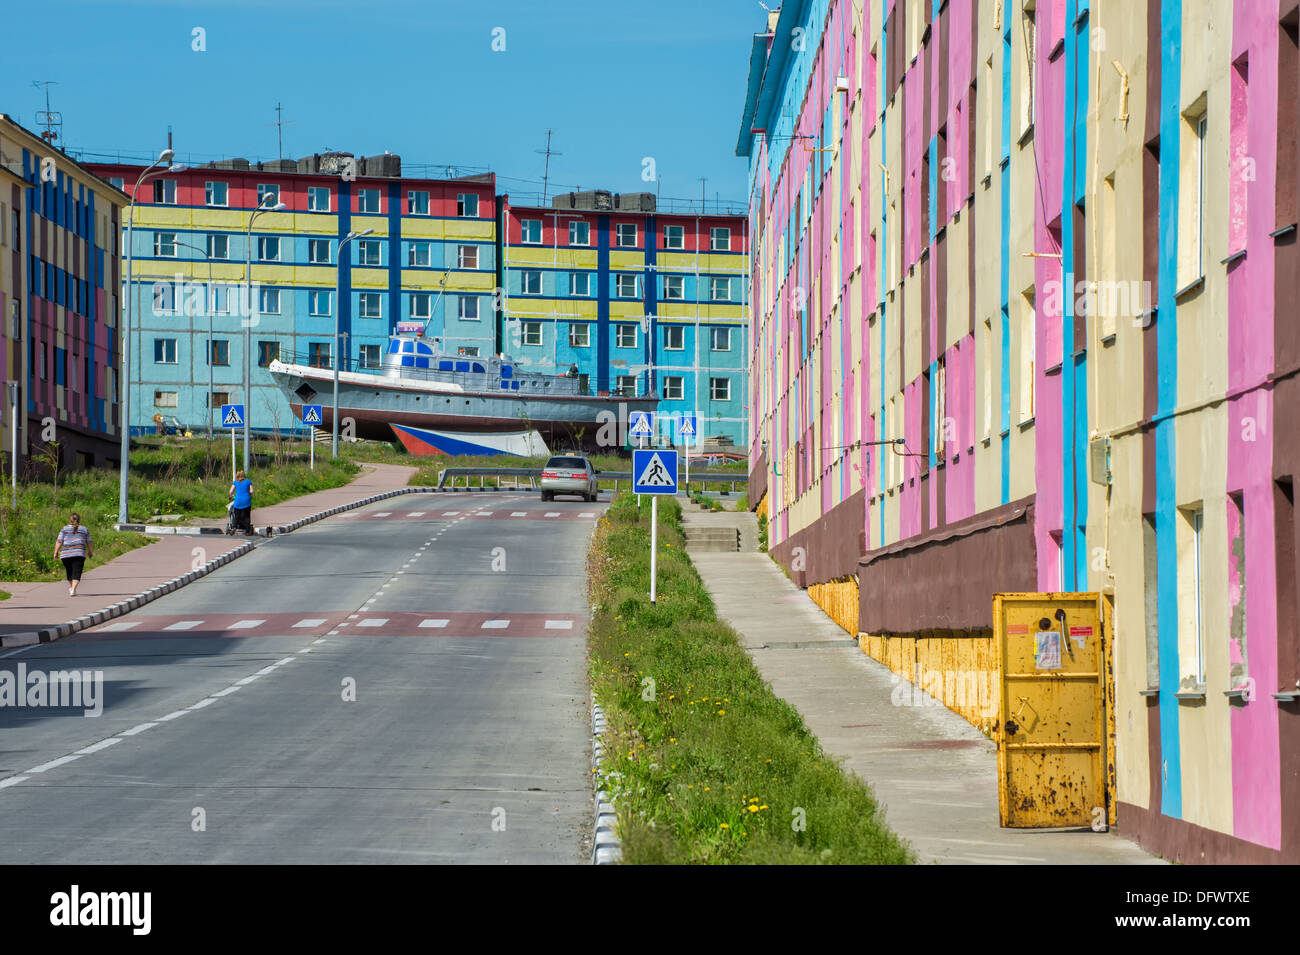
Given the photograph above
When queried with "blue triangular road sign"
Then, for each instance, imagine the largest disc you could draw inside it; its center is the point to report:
(234, 416)
(311, 414)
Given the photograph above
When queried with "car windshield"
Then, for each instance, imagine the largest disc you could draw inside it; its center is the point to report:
(578, 463)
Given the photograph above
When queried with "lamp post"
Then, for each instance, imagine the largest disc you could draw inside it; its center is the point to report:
(207, 307)
(338, 309)
(270, 203)
(124, 380)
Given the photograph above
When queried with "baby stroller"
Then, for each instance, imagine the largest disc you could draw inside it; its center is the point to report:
(232, 521)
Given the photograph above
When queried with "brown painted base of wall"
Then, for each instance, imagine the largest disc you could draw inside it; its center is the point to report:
(827, 549)
(77, 448)
(1177, 841)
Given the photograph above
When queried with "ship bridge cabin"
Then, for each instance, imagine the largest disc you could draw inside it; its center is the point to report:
(415, 358)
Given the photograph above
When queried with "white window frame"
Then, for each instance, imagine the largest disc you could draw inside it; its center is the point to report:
(421, 305)
(315, 245)
(579, 335)
(621, 329)
(169, 346)
(213, 239)
(524, 276)
(530, 334)
(720, 231)
(586, 284)
(363, 260)
(715, 334)
(574, 225)
(674, 387)
(313, 198)
(363, 361)
(464, 200)
(166, 188)
(467, 256)
(264, 242)
(677, 282)
(619, 280)
(426, 247)
(626, 385)
(417, 198)
(370, 297)
(314, 298)
(618, 235)
(674, 236)
(713, 389)
(717, 282)
(163, 239)
(363, 207)
(671, 332)
(463, 309)
(265, 189)
(525, 230)
(209, 191)
(269, 301)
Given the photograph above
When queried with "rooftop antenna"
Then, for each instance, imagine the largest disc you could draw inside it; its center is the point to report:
(52, 121)
(546, 174)
(279, 124)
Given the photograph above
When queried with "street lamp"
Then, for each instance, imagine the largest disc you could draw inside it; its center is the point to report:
(124, 390)
(338, 309)
(270, 203)
(208, 296)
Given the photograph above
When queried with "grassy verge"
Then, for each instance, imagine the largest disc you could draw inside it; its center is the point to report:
(174, 479)
(705, 763)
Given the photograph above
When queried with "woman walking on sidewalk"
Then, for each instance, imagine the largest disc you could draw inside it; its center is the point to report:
(73, 547)
(241, 498)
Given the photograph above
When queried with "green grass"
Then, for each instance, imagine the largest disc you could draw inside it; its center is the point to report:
(695, 737)
(177, 478)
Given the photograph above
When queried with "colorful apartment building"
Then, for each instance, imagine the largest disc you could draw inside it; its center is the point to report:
(641, 301)
(429, 257)
(59, 315)
(1024, 279)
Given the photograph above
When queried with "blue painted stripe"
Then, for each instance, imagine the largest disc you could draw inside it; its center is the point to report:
(1171, 18)
(395, 206)
(1005, 277)
(650, 287)
(602, 304)
(344, 303)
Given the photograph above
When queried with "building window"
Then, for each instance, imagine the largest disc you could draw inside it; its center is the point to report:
(719, 289)
(164, 351)
(269, 301)
(219, 298)
(368, 356)
(720, 339)
(580, 283)
(625, 336)
(218, 398)
(1028, 337)
(367, 200)
(720, 239)
(720, 389)
(420, 304)
(1027, 28)
(625, 386)
(1238, 662)
(467, 308)
(579, 335)
(219, 351)
(467, 205)
(318, 251)
(939, 415)
(625, 285)
(318, 354)
(318, 303)
(467, 256)
(368, 252)
(1191, 581)
(267, 352)
(164, 245)
(1151, 598)
(1191, 200)
(166, 399)
(164, 191)
(674, 287)
(268, 248)
(117, 182)
(531, 333)
(216, 194)
(417, 203)
(164, 297)
(674, 237)
(530, 282)
(674, 337)
(674, 387)
(371, 306)
(318, 199)
(626, 235)
(986, 372)
(579, 233)
(530, 231)
(418, 255)
(218, 246)
(264, 191)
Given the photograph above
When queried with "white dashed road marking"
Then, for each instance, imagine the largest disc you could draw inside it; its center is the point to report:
(495, 624)
(53, 763)
(313, 622)
(434, 623)
(183, 625)
(373, 622)
(139, 728)
(120, 625)
(102, 744)
(245, 624)
(559, 625)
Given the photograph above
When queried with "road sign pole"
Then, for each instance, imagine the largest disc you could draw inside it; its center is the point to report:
(311, 439)
(654, 541)
(688, 465)
(640, 443)
(233, 465)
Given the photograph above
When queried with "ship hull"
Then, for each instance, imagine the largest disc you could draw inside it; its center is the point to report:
(374, 402)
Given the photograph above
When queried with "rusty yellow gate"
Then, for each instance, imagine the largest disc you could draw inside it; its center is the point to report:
(1053, 731)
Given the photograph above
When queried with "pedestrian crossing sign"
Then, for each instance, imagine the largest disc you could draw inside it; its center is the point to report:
(654, 471)
(311, 414)
(687, 427)
(232, 416)
(640, 423)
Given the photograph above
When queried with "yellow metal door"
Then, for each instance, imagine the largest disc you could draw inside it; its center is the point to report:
(1052, 732)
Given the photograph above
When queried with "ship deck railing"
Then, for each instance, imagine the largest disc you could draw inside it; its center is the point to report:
(532, 384)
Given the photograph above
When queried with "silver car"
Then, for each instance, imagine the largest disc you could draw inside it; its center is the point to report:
(569, 474)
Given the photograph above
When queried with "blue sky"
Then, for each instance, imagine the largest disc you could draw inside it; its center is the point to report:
(616, 80)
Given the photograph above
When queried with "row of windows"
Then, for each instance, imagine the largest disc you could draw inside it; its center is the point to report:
(166, 245)
(625, 235)
(319, 198)
(674, 386)
(626, 285)
(625, 336)
(319, 302)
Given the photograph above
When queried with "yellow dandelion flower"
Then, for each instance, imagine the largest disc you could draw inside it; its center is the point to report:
(723, 825)
(722, 712)
(753, 809)
(763, 806)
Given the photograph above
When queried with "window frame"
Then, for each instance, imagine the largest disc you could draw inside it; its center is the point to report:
(585, 329)
(671, 331)
(524, 334)
(208, 190)
(668, 383)
(713, 389)
(313, 194)
(363, 298)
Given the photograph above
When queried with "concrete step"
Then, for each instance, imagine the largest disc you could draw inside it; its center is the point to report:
(713, 539)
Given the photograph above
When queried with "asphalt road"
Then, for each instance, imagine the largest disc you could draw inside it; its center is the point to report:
(456, 621)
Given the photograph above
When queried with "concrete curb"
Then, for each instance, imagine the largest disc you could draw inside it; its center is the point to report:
(126, 605)
(606, 849)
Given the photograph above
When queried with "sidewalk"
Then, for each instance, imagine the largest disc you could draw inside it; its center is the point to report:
(33, 606)
(934, 775)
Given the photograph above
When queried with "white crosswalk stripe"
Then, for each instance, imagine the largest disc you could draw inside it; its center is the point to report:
(310, 622)
(245, 624)
(559, 625)
(183, 625)
(450, 513)
(383, 514)
(120, 625)
(415, 513)
(434, 623)
(495, 624)
(587, 514)
(373, 622)
(518, 513)
(552, 513)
